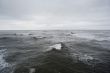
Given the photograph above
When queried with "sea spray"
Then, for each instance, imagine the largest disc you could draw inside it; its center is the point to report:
(3, 63)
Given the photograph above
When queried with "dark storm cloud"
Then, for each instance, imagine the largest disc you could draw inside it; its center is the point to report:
(55, 14)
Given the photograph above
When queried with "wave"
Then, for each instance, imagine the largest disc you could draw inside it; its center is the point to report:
(55, 47)
(93, 36)
(3, 63)
(58, 59)
(59, 52)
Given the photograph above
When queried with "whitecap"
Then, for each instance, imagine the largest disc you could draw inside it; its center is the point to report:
(85, 57)
(3, 63)
(32, 70)
(56, 46)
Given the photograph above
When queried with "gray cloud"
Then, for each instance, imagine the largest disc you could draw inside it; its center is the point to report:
(54, 14)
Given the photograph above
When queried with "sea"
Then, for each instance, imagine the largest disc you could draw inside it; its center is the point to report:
(55, 51)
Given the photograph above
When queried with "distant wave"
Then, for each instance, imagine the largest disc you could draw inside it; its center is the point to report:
(90, 36)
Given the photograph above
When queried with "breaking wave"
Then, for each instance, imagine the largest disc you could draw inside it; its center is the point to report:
(4, 66)
(3, 63)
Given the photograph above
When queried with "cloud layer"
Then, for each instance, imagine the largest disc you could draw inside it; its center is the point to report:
(54, 14)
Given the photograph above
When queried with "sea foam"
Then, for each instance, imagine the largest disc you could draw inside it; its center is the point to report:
(3, 63)
(56, 46)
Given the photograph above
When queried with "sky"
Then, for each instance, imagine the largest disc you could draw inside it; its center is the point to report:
(54, 14)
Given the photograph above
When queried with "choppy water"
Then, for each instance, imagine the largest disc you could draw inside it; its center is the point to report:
(77, 51)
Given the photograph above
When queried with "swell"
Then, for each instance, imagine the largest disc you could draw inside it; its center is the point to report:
(57, 61)
(32, 54)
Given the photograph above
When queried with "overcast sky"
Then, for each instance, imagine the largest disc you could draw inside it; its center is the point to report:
(54, 14)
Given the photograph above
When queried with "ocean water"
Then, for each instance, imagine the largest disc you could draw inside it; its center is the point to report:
(55, 51)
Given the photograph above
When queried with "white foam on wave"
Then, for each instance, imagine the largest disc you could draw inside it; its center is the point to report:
(56, 46)
(3, 63)
(86, 35)
(91, 36)
(86, 57)
(32, 70)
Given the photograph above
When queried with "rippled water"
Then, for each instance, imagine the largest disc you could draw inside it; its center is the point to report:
(55, 51)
